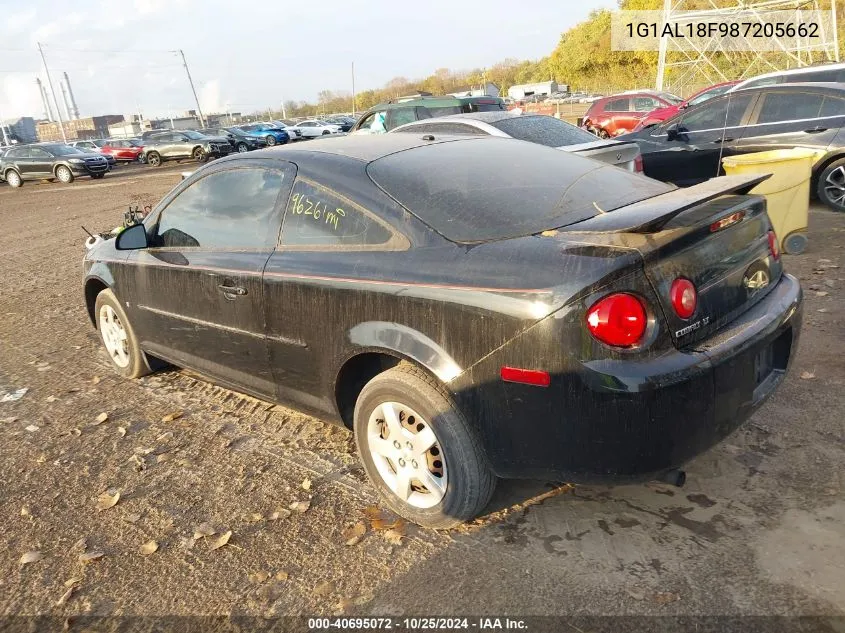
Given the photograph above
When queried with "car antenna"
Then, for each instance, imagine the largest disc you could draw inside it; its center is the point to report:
(88, 232)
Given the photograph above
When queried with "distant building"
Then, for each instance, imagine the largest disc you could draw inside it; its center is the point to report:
(526, 90)
(21, 130)
(78, 129)
(129, 129)
(487, 90)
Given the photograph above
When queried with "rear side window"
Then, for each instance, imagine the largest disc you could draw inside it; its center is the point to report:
(832, 106)
(787, 106)
(227, 209)
(401, 116)
(317, 217)
(545, 130)
(618, 105)
(715, 115)
(443, 111)
(645, 104)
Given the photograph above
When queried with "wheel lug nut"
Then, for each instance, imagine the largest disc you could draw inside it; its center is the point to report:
(396, 444)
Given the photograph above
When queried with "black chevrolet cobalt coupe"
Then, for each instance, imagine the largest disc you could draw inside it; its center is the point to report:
(471, 308)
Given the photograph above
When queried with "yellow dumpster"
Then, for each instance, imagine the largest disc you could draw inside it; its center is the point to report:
(787, 192)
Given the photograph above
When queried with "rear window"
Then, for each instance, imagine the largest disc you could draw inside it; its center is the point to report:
(488, 188)
(484, 106)
(545, 130)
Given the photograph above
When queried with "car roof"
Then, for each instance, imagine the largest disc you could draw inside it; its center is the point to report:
(799, 71)
(364, 147)
(817, 86)
(491, 116)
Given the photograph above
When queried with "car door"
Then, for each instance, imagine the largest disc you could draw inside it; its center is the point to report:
(308, 128)
(197, 290)
(40, 162)
(325, 237)
(792, 118)
(688, 149)
(19, 157)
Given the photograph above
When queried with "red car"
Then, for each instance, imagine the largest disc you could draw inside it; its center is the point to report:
(662, 114)
(620, 114)
(121, 149)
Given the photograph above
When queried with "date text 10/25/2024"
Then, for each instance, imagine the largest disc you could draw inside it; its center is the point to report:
(316, 625)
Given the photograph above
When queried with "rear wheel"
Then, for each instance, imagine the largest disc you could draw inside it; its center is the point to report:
(118, 337)
(199, 155)
(326, 132)
(154, 159)
(419, 451)
(242, 147)
(64, 174)
(271, 140)
(831, 187)
(13, 178)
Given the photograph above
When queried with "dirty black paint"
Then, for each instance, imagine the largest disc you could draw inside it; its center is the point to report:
(461, 313)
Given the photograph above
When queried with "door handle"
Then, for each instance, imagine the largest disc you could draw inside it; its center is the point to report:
(232, 290)
(816, 130)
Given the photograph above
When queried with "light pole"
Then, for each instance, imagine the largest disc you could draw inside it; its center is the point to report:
(191, 81)
(53, 92)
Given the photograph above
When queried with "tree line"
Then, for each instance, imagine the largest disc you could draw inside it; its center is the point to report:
(583, 59)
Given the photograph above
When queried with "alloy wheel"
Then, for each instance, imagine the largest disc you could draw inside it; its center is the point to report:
(834, 186)
(242, 148)
(13, 178)
(63, 174)
(114, 336)
(271, 140)
(407, 454)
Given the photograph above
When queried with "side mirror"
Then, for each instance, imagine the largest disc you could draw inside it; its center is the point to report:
(132, 238)
(672, 132)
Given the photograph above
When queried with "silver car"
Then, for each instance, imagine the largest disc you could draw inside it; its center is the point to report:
(535, 128)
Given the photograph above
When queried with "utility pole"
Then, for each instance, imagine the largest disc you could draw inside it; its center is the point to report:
(353, 88)
(191, 81)
(53, 92)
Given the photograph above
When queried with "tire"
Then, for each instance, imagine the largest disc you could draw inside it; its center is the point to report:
(154, 159)
(242, 147)
(469, 480)
(64, 174)
(602, 133)
(271, 140)
(795, 243)
(199, 155)
(326, 132)
(13, 178)
(831, 185)
(127, 358)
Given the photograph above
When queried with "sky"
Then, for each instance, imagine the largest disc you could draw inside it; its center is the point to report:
(120, 55)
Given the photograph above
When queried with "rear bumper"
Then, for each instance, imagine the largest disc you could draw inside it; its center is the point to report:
(613, 420)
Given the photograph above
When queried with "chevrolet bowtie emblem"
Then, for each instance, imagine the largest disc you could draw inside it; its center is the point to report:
(757, 280)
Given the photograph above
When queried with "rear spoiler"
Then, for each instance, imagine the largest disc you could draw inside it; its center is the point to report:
(652, 214)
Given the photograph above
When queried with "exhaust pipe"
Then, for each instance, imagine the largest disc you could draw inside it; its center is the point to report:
(675, 477)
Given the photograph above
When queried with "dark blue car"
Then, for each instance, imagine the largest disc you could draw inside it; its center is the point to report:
(273, 135)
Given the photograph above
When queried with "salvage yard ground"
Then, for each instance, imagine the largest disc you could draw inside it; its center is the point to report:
(758, 529)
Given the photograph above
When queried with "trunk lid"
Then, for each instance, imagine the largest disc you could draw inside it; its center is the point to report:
(713, 237)
(617, 153)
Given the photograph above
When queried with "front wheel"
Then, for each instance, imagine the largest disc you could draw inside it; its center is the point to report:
(419, 451)
(831, 187)
(13, 178)
(199, 155)
(271, 140)
(242, 147)
(64, 174)
(118, 337)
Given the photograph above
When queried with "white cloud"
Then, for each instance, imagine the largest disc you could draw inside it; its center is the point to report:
(20, 20)
(210, 97)
(19, 96)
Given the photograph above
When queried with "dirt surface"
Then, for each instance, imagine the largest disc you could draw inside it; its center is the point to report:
(758, 529)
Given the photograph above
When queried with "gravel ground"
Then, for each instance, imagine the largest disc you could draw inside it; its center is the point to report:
(758, 529)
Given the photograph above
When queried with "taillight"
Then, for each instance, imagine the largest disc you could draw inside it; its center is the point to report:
(638, 163)
(684, 297)
(618, 320)
(774, 249)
